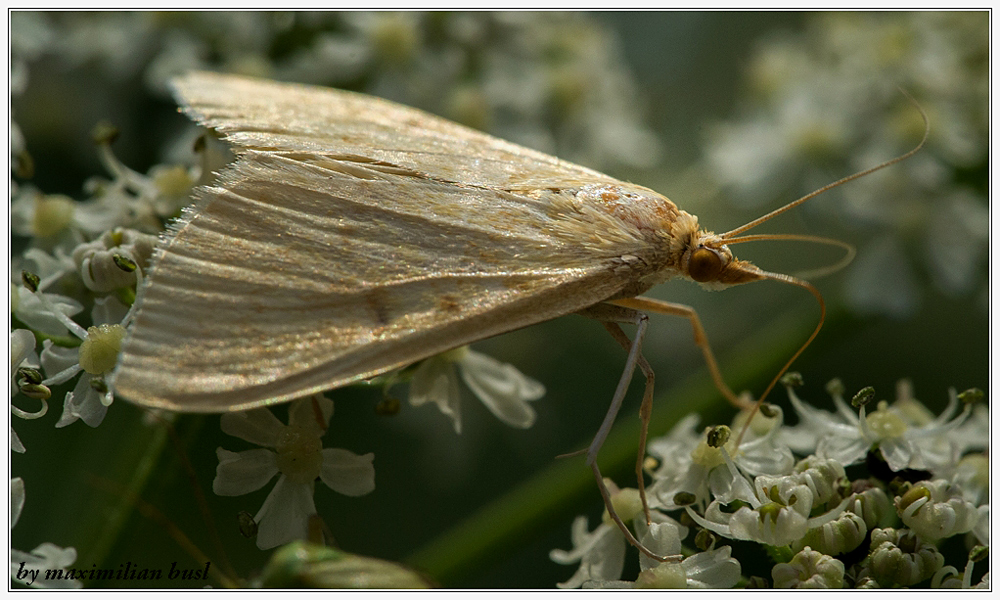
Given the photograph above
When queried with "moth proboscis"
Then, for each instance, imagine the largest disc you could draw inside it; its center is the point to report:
(354, 236)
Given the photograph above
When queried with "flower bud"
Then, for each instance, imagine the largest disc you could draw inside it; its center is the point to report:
(809, 570)
(935, 510)
(899, 559)
(101, 262)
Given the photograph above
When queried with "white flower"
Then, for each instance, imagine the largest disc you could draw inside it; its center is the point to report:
(974, 433)
(96, 259)
(935, 510)
(16, 500)
(29, 568)
(601, 552)
(809, 569)
(40, 314)
(503, 389)
(139, 200)
(38, 310)
(294, 452)
(870, 502)
(45, 558)
(96, 357)
(903, 433)
(712, 569)
(823, 476)
(972, 476)
(701, 469)
(778, 513)
(34, 214)
(761, 452)
(50, 267)
(676, 468)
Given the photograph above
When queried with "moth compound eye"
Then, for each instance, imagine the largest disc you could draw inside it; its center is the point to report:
(705, 265)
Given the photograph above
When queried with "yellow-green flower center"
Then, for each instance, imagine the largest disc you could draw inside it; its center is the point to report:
(706, 456)
(770, 511)
(53, 213)
(885, 423)
(663, 576)
(173, 181)
(99, 352)
(300, 453)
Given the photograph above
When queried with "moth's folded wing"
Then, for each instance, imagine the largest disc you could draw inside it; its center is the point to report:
(295, 274)
(267, 115)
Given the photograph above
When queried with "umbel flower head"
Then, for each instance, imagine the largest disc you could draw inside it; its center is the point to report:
(823, 526)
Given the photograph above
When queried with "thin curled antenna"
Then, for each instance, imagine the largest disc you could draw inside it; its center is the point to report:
(733, 237)
(927, 129)
(819, 325)
(795, 237)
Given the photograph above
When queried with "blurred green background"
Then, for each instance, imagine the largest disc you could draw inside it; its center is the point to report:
(690, 72)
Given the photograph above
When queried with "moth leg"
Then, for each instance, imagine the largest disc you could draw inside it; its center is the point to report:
(610, 316)
(700, 339)
(645, 410)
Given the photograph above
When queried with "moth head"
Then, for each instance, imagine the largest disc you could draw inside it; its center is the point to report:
(711, 263)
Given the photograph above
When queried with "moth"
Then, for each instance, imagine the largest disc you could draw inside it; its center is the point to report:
(354, 236)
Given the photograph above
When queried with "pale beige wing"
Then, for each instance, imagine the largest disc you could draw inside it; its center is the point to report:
(322, 257)
(300, 118)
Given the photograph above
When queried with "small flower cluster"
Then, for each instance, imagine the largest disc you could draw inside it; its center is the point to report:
(927, 481)
(832, 91)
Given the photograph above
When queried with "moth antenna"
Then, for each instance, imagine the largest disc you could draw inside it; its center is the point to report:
(927, 129)
(819, 325)
(813, 273)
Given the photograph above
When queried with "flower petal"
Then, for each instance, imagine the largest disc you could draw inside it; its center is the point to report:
(47, 557)
(662, 538)
(56, 359)
(503, 389)
(603, 560)
(240, 473)
(435, 381)
(84, 402)
(37, 316)
(348, 473)
(16, 500)
(258, 426)
(108, 310)
(22, 344)
(302, 412)
(284, 517)
(15, 443)
(715, 569)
